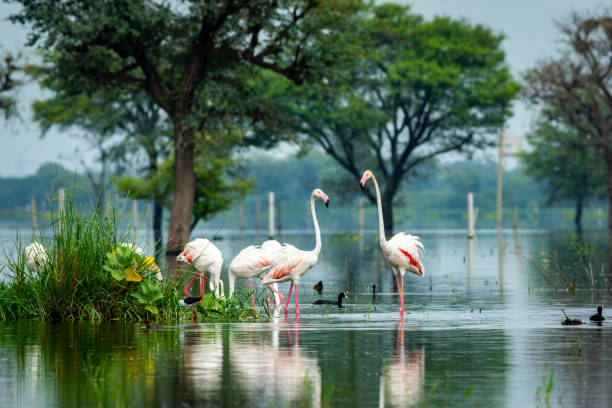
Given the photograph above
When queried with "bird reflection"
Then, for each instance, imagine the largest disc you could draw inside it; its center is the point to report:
(204, 361)
(280, 375)
(404, 377)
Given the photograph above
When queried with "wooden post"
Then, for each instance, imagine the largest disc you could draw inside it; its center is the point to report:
(61, 202)
(470, 211)
(279, 217)
(33, 209)
(135, 217)
(515, 217)
(361, 218)
(499, 176)
(241, 217)
(257, 216)
(270, 215)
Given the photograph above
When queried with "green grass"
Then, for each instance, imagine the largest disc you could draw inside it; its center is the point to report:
(72, 284)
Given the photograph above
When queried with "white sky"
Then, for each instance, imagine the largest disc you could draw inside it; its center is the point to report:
(527, 24)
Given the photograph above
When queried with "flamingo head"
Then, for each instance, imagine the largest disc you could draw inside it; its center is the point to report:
(366, 176)
(320, 194)
(185, 257)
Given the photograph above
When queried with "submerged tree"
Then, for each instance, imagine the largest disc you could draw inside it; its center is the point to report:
(572, 170)
(187, 56)
(420, 89)
(575, 87)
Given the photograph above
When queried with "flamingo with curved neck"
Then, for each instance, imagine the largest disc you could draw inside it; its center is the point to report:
(296, 262)
(403, 251)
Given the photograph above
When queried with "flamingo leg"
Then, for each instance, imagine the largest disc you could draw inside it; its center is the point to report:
(189, 285)
(297, 309)
(252, 294)
(280, 295)
(288, 297)
(402, 296)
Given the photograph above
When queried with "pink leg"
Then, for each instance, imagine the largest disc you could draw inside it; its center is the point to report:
(189, 285)
(252, 294)
(402, 296)
(288, 297)
(280, 295)
(297, 309)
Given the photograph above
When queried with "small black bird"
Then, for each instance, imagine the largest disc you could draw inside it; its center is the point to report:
(331, 302)
(149, 325)
(598, 317)
(373, 292)
(189, 302)
(318, 287)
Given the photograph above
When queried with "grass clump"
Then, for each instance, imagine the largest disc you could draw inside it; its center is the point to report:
(92, 271)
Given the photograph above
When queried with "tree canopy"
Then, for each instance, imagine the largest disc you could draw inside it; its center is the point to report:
(417, 89)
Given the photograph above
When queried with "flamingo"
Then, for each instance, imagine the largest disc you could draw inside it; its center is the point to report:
(295, 262)
(35, 255)
(403, 251)
(251, 262)
(206, 258)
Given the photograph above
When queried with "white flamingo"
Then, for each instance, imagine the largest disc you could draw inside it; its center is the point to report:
(251, 262)
(295, 262)
(206, 258)
(35, 256)
(403, 251)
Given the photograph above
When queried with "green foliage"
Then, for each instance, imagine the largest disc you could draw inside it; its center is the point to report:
(8, 83)
(571, 169)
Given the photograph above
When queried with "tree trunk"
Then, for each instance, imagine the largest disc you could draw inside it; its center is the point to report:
(184, 190)
(158, 211)
(578, 216)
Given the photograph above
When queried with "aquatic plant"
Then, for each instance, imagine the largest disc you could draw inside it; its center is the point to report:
(90, 275)
(546, 388)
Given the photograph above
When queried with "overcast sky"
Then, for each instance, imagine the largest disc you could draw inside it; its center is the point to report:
(527, 24)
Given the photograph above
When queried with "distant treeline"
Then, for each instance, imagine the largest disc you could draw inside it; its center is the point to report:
(435, 198)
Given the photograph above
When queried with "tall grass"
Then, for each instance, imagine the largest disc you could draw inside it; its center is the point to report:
(71, 284)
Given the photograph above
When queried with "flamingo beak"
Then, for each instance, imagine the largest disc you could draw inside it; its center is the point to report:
(325, 199)
(363, 180)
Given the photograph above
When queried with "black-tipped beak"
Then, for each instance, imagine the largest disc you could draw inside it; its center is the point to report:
(362, 186)
(327, 203)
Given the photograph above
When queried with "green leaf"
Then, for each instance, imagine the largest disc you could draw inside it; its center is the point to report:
(152, 309)
(118, 274)
(139, 297)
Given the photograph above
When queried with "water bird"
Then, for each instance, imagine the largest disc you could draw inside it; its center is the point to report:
(206, 258)
(251, 262)
(598, 317)
(570, 322)
(295, 262)
(318, 287)
(331, 302)
(149, 325)
(35, 256)
(403, 251)
(374, 293)
(191, 302)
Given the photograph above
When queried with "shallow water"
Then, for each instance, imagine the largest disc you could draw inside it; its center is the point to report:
(481, 329)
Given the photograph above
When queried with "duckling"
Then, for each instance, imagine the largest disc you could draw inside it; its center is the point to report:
(318, 287)
(149, 325)
(331, 302)
(598, 317)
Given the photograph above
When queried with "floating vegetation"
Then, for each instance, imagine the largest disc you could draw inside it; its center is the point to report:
(570, 322)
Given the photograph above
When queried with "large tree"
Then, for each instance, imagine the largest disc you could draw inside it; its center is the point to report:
(575, 86)
(572, 170)
(186, 55)
(420, 89)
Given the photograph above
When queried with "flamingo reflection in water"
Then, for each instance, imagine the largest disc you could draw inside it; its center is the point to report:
(276, 374)
(403, 379)
(203, 363)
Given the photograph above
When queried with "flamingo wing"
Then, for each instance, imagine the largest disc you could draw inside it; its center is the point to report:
(291, 263)
(405, 251)
(251, 261)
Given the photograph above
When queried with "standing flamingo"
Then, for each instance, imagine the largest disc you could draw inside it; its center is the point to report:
(295, 262)
(403, 251)
(251, 262)
(206, 258)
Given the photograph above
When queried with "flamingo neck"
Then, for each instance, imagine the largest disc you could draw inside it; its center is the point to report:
(317, 247)
(381, 222)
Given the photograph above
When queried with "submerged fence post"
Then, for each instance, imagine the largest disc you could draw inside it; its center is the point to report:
(470, 211)
(135, 216)
(270, 215)
(499, 176)
(361, 218)
(515, 217)
(33, 209)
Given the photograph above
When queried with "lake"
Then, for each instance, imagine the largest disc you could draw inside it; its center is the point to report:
(482, 328)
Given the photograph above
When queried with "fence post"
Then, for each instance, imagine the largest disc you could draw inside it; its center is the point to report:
(470, 211)
(270, 215)
(135, 216)
(33, 209)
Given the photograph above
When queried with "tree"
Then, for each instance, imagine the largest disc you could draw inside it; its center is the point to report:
(572, 170)
(575, 87)
(8, 83)
(420, 89)
(185, 56)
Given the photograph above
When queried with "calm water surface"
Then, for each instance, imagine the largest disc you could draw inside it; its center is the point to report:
(481, 329)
